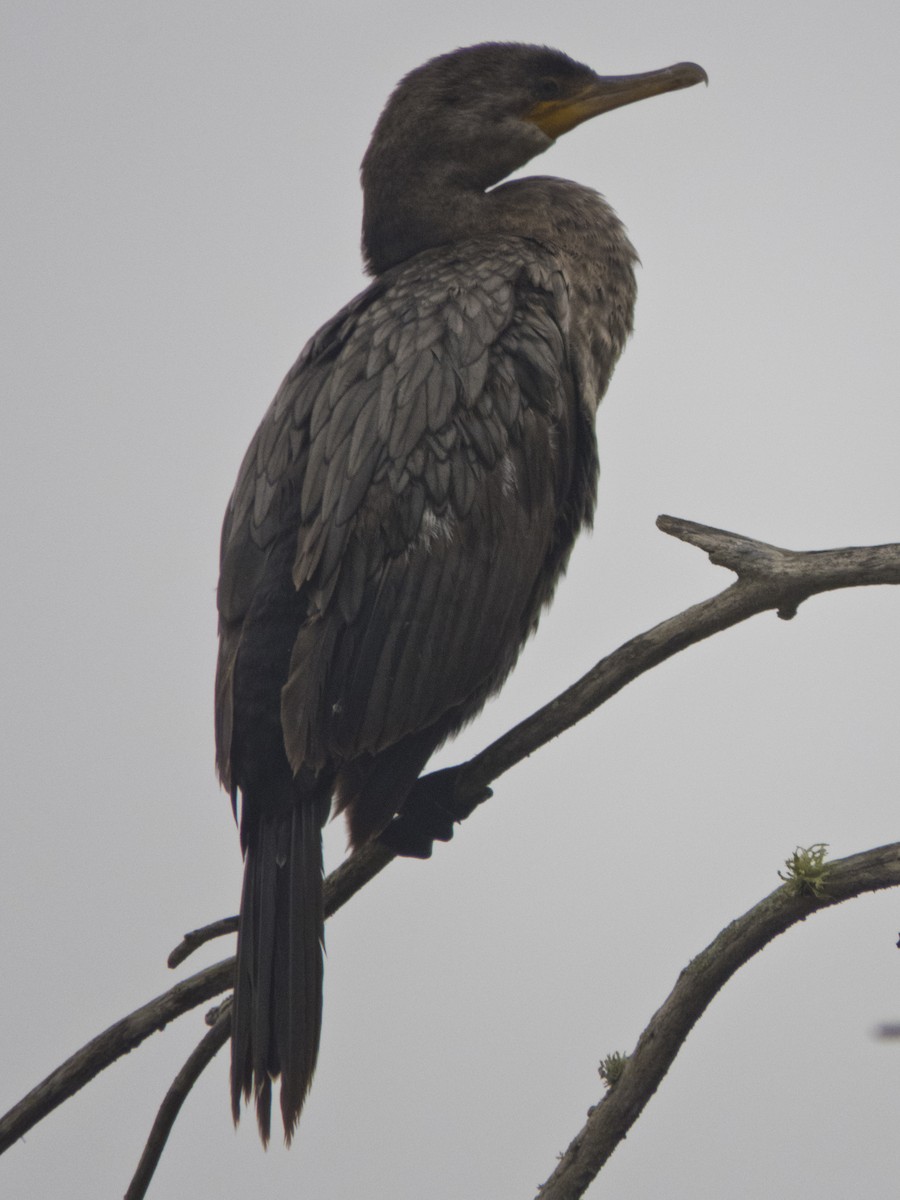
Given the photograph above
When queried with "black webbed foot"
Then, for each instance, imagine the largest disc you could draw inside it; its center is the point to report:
(429, 813)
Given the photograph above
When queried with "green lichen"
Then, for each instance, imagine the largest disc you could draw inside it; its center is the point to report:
(807, 870)
(611, 1068)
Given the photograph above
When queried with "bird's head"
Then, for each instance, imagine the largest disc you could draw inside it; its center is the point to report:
(467, 119)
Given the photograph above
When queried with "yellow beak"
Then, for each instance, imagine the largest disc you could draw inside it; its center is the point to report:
(555, 117)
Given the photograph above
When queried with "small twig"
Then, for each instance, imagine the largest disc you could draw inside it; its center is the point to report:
(789, 576)
(196, 1064)
(340, 885)
(196, 938)
(643, 1071)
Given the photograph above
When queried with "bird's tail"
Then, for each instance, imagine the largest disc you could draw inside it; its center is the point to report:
(277, 1014)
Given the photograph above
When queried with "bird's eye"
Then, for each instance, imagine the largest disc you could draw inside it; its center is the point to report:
(548, 88)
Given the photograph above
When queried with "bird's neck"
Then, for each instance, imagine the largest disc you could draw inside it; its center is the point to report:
(403, 218)
(400, 221)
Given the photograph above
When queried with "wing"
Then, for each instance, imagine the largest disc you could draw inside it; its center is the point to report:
(429, 464)
(263, 510)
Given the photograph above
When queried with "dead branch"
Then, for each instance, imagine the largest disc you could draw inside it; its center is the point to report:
(195, 938)
(199, 1059)
(768, 578)
(611, 1119)
(103, 1050)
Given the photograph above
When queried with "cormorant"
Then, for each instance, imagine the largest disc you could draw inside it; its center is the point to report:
(411, 498)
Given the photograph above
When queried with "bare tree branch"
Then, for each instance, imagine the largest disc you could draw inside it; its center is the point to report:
(768, 578)
(104, 1049)
(200, 1058)
(195, 938)
(643, 1071)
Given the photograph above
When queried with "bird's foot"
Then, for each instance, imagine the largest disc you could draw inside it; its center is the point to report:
(429, 813)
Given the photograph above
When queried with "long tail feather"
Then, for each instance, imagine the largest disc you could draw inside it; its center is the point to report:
(277, 1015)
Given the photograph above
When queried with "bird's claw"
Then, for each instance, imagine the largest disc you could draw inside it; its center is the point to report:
(429, 814)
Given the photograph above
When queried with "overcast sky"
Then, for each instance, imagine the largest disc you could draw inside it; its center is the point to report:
(181, 212)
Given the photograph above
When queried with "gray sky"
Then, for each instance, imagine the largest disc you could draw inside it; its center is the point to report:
(182, 212)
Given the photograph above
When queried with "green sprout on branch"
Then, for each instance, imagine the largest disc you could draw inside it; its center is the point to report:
(806, 870)
(611, 1068)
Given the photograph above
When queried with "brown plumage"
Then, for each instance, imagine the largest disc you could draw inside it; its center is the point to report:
(411, 498)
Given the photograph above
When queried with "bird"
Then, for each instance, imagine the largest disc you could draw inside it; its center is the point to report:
(410, 500)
